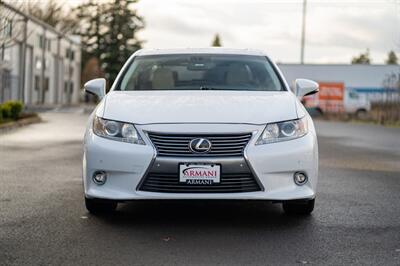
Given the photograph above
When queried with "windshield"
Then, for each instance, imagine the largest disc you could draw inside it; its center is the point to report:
(200, 72)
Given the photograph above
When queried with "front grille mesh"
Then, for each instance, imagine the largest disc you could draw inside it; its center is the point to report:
(229, 183)
(178, 144)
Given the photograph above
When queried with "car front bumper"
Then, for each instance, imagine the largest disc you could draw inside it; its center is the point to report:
(272, 165)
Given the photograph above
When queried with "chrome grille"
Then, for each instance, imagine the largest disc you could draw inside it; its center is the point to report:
(169, 183)
(178, 144)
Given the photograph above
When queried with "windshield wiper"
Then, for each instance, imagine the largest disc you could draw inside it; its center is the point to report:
(207, 88)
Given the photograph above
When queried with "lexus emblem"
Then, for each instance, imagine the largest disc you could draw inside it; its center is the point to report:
(200, 145)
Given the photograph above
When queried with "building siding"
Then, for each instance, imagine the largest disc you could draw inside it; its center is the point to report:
(47, 80)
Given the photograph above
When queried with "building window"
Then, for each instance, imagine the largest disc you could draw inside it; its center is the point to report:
(37, 83)
(65, 86)
(6, 79)
(41, 41)
(38, 63)
(44, 43)
(68, 87)
(5, 85)
(5, 27)
(70, 54)
(46, 84)
(5, 53)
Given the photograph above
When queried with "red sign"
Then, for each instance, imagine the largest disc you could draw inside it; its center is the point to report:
(331, 91)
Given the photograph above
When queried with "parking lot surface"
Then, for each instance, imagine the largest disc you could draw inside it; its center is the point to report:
(43, 219)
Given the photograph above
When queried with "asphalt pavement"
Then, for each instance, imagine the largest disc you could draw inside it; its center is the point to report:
(43, 220)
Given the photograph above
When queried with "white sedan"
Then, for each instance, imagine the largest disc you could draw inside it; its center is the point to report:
(208, 123)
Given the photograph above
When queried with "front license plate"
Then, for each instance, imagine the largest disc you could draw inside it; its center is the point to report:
(199, 174)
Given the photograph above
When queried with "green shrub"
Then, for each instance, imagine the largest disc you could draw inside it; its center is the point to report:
(16, 109)
(5, 110)
(11, 109)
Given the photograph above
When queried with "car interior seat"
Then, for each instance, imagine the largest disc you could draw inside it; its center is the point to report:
(163, 79)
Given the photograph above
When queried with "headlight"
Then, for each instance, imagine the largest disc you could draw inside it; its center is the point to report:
(282, 131)
(116, 130)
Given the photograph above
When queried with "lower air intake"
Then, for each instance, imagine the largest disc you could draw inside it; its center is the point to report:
(169, 183)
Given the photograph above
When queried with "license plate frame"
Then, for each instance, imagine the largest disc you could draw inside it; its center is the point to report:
(199, 173)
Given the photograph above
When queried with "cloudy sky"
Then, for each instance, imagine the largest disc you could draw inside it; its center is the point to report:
(336, 29)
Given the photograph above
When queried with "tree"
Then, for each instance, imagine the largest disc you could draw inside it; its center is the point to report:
(12, 32)
(216, 42)
(52, 13)
(392, 58)
(92, 28)
(108, 31)
(120, 37)
(11, 28)
(91, 70)
(363, 58)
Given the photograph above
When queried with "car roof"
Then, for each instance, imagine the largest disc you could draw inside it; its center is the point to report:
(210, 50)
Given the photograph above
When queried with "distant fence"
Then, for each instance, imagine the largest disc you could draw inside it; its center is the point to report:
(386, 112)
(9, 87)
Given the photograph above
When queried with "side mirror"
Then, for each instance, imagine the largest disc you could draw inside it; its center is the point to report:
(96, 87)
(306, 87)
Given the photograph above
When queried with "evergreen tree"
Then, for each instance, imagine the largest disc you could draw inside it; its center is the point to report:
(392, 58)
(108, 31)
(363, 58)
(123, 24)
(216, 42)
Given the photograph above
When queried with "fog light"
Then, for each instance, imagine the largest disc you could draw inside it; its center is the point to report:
(300, 178)
(100, 177)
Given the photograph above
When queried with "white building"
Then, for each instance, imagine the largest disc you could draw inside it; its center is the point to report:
(38, 64)
(375, 81)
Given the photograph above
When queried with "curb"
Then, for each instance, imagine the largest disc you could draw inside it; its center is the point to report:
(19, 123)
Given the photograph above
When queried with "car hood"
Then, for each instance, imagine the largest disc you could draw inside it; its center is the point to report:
(250, 107)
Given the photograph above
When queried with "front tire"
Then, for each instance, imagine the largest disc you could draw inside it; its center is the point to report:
(361, 114)
(299, 207)
(100, 206)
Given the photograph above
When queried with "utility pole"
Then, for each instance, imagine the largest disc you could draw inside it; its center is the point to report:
(42, 92)
(303, 32)
(23, 61)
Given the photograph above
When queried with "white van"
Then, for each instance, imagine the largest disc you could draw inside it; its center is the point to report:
(335, 98)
